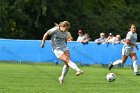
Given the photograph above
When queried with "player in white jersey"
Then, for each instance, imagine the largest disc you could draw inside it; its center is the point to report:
(59, 36)
(128, 50)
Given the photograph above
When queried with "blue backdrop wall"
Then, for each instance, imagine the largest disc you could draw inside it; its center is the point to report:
(30, 51)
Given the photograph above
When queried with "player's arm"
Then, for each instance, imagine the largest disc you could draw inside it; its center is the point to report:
(131, 43)
(66, 40)
(44, 38)
(68, 36)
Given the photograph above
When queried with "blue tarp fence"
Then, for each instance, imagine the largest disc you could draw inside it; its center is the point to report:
(30, 51)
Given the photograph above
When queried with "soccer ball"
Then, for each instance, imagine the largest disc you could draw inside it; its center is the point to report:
(111, 77)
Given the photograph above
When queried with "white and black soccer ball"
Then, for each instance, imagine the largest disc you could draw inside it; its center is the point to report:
(110, 77)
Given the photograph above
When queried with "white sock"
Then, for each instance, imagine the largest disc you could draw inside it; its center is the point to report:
(64, 71)
(73, 65)
(135, 66)
(117, 62)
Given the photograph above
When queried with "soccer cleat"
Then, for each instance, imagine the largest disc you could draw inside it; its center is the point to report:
(137, 74)
(110, 66)
(79, 73)
(61, 80)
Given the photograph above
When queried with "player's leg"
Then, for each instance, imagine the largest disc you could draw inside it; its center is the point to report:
(78, 71)
(135, 63)
(66, 58)
(65, 69)
(67, 53)
(124, 58)
(125, 53)
(63, 74)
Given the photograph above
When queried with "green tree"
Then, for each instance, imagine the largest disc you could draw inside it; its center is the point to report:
(29, 19)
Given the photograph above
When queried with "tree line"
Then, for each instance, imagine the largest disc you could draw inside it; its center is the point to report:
(30, 19)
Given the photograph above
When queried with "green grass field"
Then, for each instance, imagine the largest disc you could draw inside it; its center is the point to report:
(43, 78)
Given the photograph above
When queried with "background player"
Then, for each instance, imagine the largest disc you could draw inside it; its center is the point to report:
(128, 50)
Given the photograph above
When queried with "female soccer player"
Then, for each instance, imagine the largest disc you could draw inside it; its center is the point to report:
(128, 50)
(59, 36)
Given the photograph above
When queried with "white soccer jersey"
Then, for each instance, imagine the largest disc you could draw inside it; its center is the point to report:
(127, 48)
(132, 37)
(58, 38)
